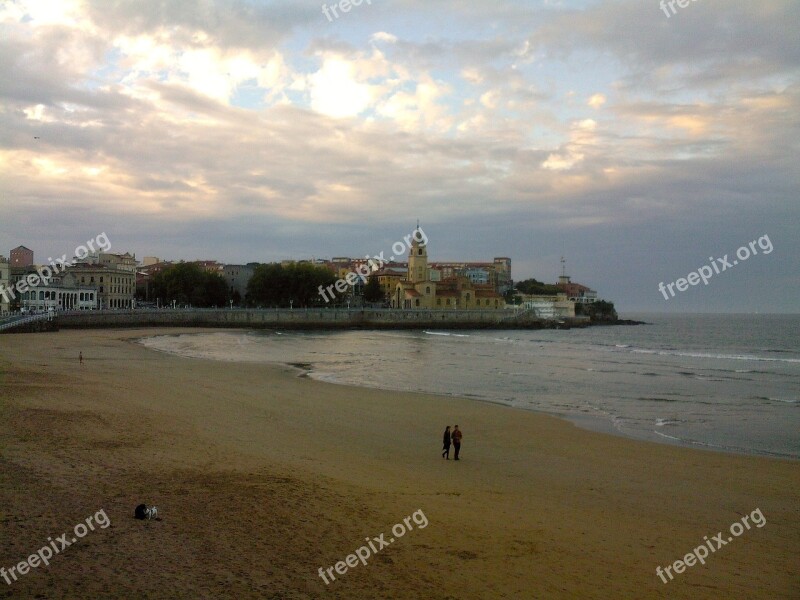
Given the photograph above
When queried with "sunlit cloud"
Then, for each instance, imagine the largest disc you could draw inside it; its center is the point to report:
(517, 113)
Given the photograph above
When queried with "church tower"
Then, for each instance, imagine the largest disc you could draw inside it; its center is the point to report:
(417, 258)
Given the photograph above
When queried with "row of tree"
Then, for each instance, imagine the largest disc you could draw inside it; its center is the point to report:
(291, 285)
(272, 285)
(187, 283)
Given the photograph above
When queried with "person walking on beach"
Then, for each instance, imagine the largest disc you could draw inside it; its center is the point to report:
(80, 357)
(446, 443)
(456, 437)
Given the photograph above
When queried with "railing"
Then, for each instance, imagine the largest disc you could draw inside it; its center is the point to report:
(16, 321)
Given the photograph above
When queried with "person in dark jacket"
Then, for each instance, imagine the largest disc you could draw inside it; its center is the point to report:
(446, 443)
(456, 437)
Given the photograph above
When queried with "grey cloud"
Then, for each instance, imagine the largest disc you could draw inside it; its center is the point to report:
(233, 23)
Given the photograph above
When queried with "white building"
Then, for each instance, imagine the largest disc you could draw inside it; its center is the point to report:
(55, 297)
(549, 307)
(477, 275)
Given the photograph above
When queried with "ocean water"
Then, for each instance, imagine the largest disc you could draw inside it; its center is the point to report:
(721, 382)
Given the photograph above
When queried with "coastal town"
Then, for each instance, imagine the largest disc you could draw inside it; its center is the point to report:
(106, 280)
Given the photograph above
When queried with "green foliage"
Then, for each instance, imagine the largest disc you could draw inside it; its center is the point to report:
(532, 286)
(187, 283)
(273, 285)
(373, 291)
(600, 311)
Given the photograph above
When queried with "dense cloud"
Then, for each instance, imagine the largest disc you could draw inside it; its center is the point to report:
(632, 143)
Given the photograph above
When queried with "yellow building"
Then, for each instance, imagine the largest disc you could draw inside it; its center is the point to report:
(116, 287)
(389, 277)
(418, 290)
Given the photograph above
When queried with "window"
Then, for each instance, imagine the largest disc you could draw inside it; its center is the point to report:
(417, 302)
(428, 289)
(438, 302)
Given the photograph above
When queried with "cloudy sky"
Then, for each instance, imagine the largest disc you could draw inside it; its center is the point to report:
(635, 144)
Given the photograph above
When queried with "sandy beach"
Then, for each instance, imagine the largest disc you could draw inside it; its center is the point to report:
(262, 477)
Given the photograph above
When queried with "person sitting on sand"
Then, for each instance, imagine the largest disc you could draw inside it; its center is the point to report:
(446, 443)
(456, 440)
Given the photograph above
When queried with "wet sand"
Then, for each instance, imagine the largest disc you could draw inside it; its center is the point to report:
(262, 477)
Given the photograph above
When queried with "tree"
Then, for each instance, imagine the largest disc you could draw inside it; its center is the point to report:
(598, 312)
(296, 284)
(187, 283)
(532, 286)
(373, 291)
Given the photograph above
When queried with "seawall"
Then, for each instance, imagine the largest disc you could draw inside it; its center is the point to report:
(327, 318)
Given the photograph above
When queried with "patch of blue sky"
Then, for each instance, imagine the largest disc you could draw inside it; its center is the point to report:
(249, 95)
(109, 71)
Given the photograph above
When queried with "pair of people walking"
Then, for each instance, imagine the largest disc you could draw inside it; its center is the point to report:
(455, 438)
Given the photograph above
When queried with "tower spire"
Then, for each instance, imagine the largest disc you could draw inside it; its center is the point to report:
(564, 277)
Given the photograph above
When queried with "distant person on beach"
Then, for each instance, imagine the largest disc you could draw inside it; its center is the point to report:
(80, 357)
(456, 440)
(446, 443)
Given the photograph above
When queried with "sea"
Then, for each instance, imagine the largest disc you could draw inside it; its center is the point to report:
(727, 383)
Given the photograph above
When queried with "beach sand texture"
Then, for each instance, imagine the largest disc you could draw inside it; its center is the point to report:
(261, 477)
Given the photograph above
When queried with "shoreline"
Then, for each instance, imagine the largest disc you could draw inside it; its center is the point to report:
(585, 421)
(261, 477)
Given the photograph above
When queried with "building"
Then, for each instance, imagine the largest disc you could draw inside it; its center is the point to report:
(209, 266)
(17, 275)
(456, 292)
(548, 307)
(389, 277)
(480, 276)
(496, 273)
(237, 277)
(5, 283)
(144, 277)
(575, 291)
(21, 257)
(502, 266)
(59, 297)
(116, 288)
(123, 262)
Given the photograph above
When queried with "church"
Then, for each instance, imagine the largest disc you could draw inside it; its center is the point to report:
(419, 290)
